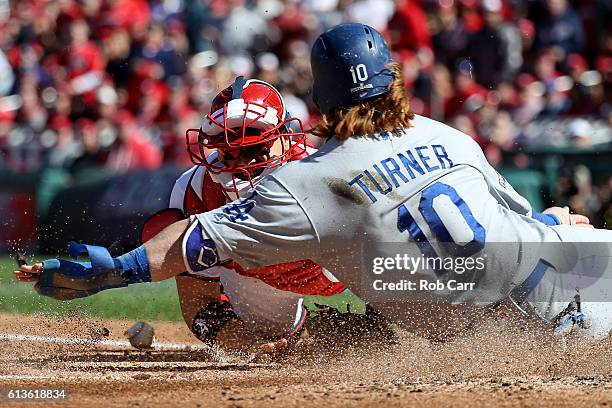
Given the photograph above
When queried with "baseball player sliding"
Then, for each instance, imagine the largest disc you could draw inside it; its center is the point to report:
(385, 178)
(247, 135)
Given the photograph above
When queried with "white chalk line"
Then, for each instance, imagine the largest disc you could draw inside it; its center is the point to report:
(81, 378)
(95, 342)
(18, 377)
(85, 342)
(77, 341)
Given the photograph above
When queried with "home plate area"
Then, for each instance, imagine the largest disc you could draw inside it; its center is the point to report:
(496, 365)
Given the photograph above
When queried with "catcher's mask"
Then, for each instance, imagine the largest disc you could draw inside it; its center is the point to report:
(245, 120)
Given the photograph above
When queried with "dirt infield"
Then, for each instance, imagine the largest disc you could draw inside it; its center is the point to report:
(499, 364)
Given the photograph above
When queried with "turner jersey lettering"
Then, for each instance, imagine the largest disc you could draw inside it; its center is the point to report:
(431, 186)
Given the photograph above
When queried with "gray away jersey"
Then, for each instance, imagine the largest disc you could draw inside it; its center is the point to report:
(429, 191)
(266, 311)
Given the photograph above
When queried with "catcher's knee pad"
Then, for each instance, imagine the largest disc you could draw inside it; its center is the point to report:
(210, 319)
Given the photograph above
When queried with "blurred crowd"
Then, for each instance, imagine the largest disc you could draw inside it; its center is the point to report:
(116, 83)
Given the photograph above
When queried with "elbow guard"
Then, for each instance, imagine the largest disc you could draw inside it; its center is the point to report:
(199, 251)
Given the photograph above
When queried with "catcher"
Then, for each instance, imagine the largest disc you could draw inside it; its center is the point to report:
(246, 136)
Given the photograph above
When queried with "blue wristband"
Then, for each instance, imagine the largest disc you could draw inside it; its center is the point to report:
(548, 219)
(135, 266)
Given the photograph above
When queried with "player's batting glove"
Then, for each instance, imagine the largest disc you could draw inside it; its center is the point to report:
(65, 280)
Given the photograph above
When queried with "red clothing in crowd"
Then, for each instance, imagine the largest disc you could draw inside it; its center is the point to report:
(129, 14)
(84, 58)
(135, 152)
(408, 27)
(454, 105)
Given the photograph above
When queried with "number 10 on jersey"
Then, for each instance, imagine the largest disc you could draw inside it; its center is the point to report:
(406, 222)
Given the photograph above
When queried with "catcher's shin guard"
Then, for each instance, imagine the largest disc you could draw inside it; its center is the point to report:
(210, 319)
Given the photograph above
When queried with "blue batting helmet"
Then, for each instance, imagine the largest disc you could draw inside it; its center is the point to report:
(349, 66)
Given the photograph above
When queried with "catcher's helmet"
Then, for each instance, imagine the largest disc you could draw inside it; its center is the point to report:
(349, 66)
(245, 120)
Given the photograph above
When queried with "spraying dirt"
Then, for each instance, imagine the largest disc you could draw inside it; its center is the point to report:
(497, 363)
